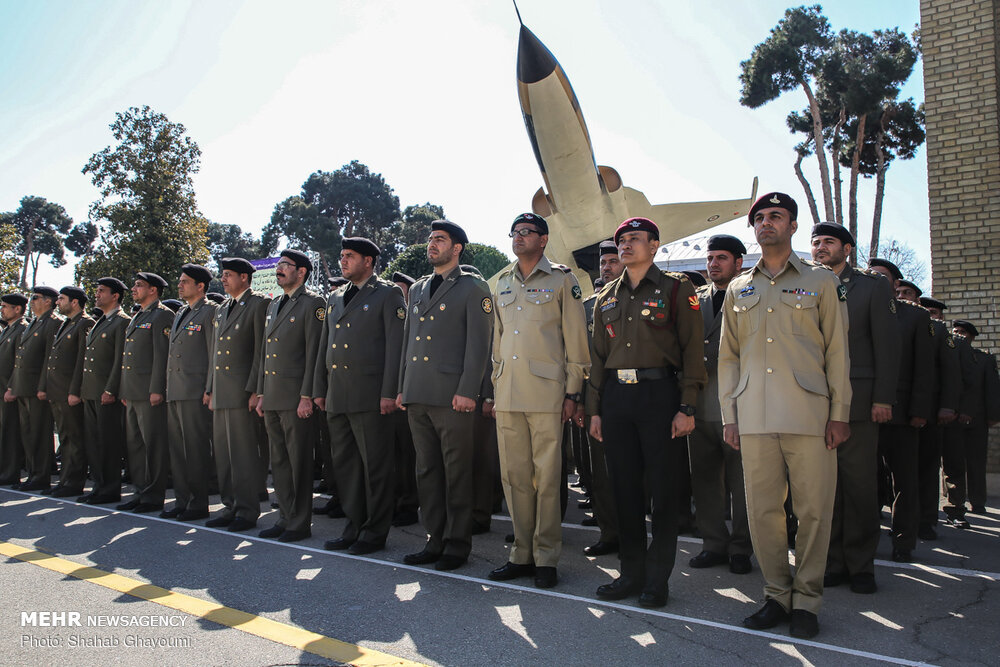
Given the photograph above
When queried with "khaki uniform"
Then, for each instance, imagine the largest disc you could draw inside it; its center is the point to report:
(104, 423)
(63, 377)
(235, 362)
(144, 372)
(11, 449)
(25, 382)
(784, 371)
(292, 328)
(540, 354)
(189, 421)
(445, 353)
(358, 364)
(647, 358)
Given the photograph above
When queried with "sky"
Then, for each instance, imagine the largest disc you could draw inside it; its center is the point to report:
(423, 93)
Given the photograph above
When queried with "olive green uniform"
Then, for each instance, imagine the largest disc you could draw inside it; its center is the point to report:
(602, 499)
(11, 449)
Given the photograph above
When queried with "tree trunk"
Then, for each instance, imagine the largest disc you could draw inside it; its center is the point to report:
(28, 246)
(34, 268)
(838, 194)
(326, 267)
(852, 194)
(808, 189)
(879, 184)
(824, 168)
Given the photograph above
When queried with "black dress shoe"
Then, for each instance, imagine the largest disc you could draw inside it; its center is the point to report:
(339, 544)
(271, 533)
(219, 521)
(34, 486)
(240, 524)
(85, 498)
(902, 556)
(361, 548)
(146, 508)
(50, 491)
(546, 577)
(653, 599)
(619, 589)
(510, 571)
(9, 481)
(708, 559)
(17, 485)
(103, 499)
(479, 529)
(450, 562)
(125, 507)
(294, 535)
(740, 564)
(979, 509)
(589, 521)
(766, 617)
(601, 549)
(192, 515)
(421, 557)
(171, 514)
(954, 521)
(863, 583)
(834, 579)
(405, 518)
(927, 533)
(804, 625)
(64, 492)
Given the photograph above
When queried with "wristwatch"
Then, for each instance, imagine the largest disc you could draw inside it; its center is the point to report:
(576, 398)
(688, 410)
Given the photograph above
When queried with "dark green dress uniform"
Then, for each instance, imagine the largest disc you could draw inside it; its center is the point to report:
(647, 359)
(11, 449)
(358, 364)
(144, 372)
(239, 349)
(192, 341)
(446, 351)
(35, 415)
(874, 352)
(898, 441)
(291, 341)
(64, 376)
(104, 423)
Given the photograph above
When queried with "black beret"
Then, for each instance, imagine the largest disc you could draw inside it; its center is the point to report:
(198, 272)
(536, 220)
(730, 244)
(456, 233)
(893, 269)
(300, 259)
(469, 268)
(967, 325)
(696, 278)
(215, 297)
(15, 299)
(337, 281)
(638, 225)
(74, 292)
(153, 280)
(907, 283)
(45, 291)
(836, 231)
(400, 277)
(775, 200)
(113, 284)
(172, 304)
(608, 248)
(361, 245)
(237, 264)
(928, 302)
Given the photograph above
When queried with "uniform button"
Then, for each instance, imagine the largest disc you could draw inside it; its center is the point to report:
(519, 307)
(705, 358)
(345, 346)
(349, 324)
(514, 357)
(268, 340)
(772, 282)
(629, 319)
(770, 370)
(426, 359)
(632, 298)
(516, 332)
(334, 346)
(769, 309)
(425, 338)
(345, 367)
(227, 368)
(418, 337)
(227, 351)
(744, 308)
(216, 368)
(628, 344)
(769, 340)
(421, 319)
(706, 341)
(522, 284)
(432, 319)
(220, 337)
(414, 358)
(219, 352)
(798, 306)
(337, 326)
(334, 366)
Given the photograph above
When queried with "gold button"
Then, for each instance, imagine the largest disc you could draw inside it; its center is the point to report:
(744, 308)
(334, 366)
(630, 319)
(769, 309)
(348, 325)
(798, 306)
(421, 319)
(769, 340)
(268, 340)
(426, 359)
(227, 368)
(227, 351)
(432, 318)
(418, 337)
(772, 282)
(428, 338)
(219, 352)
(336, 326)
(628, 344)
(769, 371)
(345, 367)
(334, 346)
(216, 368)
(706, 341)
(345, 346)
(516, 332)
(414, 358)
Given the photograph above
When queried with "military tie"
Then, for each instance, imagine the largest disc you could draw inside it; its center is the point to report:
(232, 304)
(436, 282)
(350, 294)
(282, 301)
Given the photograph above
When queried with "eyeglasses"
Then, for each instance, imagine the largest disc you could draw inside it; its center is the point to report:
(287, 265)
(524, 231)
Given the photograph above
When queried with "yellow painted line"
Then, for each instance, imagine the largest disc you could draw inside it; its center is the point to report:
(265, 628)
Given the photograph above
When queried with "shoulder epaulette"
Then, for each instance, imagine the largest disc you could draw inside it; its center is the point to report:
(561, 267)
(676, 275)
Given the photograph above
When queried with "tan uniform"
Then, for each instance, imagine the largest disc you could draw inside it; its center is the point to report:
(784, 372)
(540, 354)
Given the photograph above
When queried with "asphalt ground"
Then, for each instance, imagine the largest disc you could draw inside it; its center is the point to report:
(222, 598)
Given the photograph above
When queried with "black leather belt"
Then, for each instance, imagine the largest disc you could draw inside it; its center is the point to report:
(636, 375)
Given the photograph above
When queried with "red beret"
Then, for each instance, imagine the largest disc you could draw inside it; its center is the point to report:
(638, 225)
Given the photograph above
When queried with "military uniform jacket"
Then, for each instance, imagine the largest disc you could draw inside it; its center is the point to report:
(446, 339)
(192, 341)
(291, 342)
(9, 338)
(102, 362)
(64, 369)
(656, 325)
(238, 350)
(915, 388)
(360, 347)
(32, 352)
(540, 347)
(981, 395)
(784, 360)
(947, 390)
(874, 348)
(144, 356)
(708, 399)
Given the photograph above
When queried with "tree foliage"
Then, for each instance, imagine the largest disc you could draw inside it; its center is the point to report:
(416, 224)
(413, 260)
(45, 228)
(10, 258)
(232, 241)
(903, 256)
(147, 199)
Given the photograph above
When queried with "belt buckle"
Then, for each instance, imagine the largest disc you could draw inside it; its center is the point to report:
(628, 376)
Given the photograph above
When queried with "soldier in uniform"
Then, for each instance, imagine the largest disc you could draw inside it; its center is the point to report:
(874, 354)
(784, 343)
(540, 359)
(103, 414)
(407, 502)
(26, 384)
(716, 468)
(11, 450)
(60, 385)
(446, 349)
(232, 385)
(143, 390)
(647, 369)
(192, 342)
(899, 438)
(292, 328)
(355, 383)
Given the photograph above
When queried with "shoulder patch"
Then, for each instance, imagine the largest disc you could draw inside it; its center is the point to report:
(321, 314)
(892, 305)
(694, 303)
(841, 292)
(166, 331)
(949, 341)
(401, 313)
(676, 275)
(930, 327)
(577, 292)
(487, 304)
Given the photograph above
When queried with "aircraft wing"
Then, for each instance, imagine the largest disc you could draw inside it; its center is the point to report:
(677, 221)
